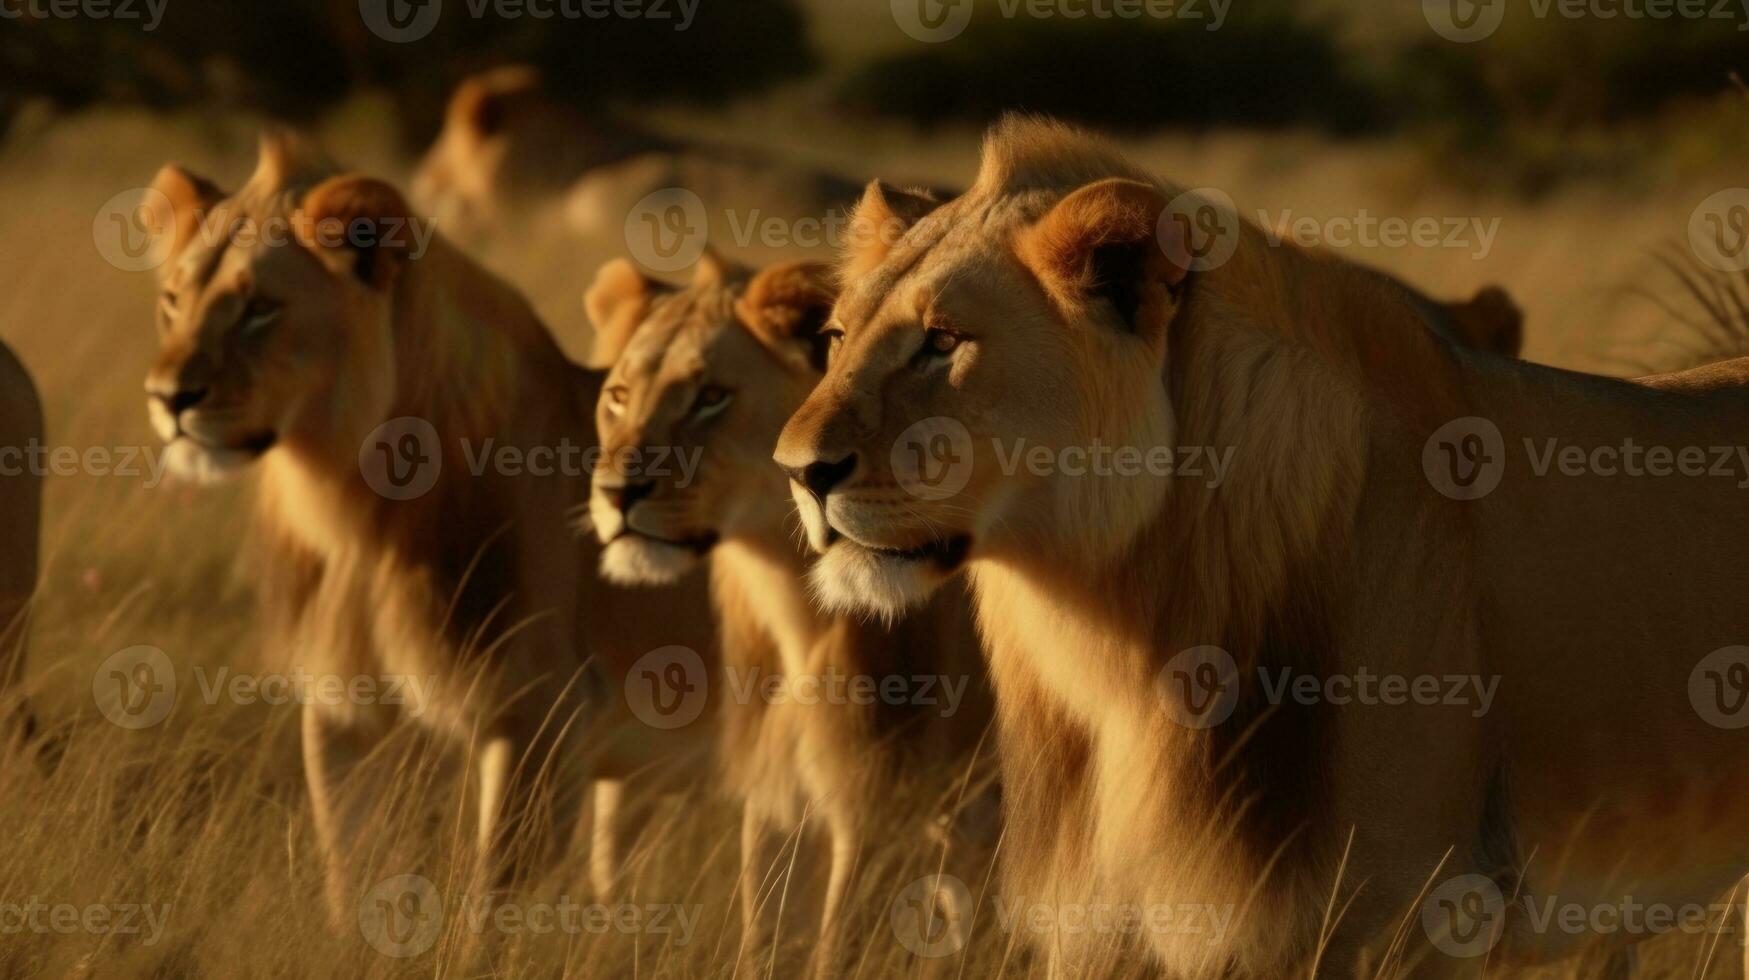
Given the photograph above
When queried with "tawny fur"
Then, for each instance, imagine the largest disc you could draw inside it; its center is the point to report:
(842, 771)
(1325, 551)
(479, 588)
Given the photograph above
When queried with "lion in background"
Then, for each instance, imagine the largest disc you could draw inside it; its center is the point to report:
(719, 365)
(21, 426)
(361, 367)
(1052, 304)
(507, 150)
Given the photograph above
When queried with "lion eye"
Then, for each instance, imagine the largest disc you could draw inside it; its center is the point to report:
(259, 315)
(834, 337)
(711, 400)
(941, 342)
(616, 398)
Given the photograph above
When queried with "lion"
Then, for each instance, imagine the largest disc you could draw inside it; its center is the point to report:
(508, 150)
(715, 368)
(21, 487)
(376, 379)
(1391, 511)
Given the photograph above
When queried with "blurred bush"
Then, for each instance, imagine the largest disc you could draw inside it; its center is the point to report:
(1262, 68)
(294, 58)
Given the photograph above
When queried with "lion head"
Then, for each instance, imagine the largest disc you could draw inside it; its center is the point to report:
(506, 143)
(274, 318)
(703, 379)
(1000, 368)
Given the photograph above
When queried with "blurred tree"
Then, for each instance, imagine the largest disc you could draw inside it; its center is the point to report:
(293, 58)
(1263, 67)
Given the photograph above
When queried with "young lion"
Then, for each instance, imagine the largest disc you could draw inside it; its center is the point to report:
(21, 426)
(1180, 662)
(508, 148)
(410, 419)
(715, 368)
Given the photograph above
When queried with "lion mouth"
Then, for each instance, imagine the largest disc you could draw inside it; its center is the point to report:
(699, 544)
(255, 445)
(946, 553)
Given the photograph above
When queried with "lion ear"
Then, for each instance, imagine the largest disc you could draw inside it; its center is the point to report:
(1489, 322)
(1102, 243)
(785, 306)
(483, 103)
(881, 218)
(357, 226)
(617, 303)
(714, 270)
(179, 203)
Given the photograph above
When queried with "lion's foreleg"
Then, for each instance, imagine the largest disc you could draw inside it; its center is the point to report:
(846, 854)
(764, 875)
(606, 855)
(333, 748)
(529, 806)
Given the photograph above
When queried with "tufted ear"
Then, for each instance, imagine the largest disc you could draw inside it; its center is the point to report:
(1489, 322)
(181, 202)
(482, 104)
(785, 306)
(359, 227)
(1103, 243)
(714, 270)
(881, 218)
(617, 302)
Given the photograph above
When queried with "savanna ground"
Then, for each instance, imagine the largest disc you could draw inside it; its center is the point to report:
(204, 817)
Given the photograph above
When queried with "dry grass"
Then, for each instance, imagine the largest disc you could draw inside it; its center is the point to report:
(205, 816)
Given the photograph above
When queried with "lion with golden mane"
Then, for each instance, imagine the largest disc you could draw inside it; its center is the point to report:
(716, 367)
(375, 378)
(1175, 658)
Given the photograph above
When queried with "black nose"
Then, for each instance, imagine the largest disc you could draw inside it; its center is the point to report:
(181, 401)
(821, 477)
(625, 497)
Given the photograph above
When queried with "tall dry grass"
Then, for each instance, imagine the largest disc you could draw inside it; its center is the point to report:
(204, 816)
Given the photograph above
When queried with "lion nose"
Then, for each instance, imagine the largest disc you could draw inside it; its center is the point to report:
(820, 476)
(182, 399)
(625, 497)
